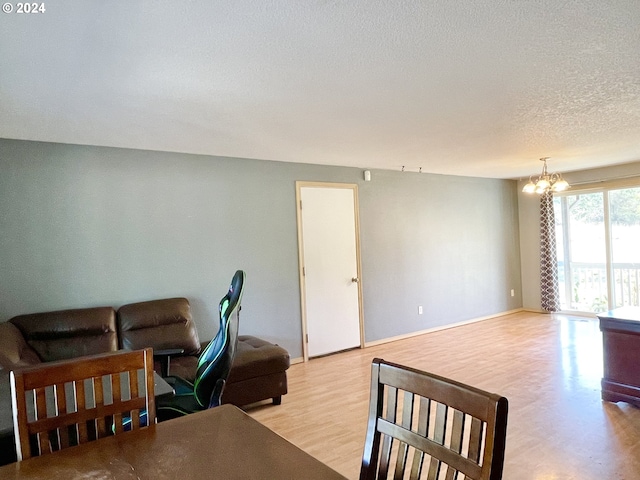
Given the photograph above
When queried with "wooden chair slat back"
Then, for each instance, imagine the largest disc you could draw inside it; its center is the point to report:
(79, 400)
(423, 426)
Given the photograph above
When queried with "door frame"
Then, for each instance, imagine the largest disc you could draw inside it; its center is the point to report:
(303, 304)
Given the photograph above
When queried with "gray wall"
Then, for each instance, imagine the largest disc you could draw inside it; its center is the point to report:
(447, 243)
(86, 226)
(529, 215)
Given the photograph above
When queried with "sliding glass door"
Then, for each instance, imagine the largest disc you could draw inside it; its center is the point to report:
(598, 238)
(624, 207)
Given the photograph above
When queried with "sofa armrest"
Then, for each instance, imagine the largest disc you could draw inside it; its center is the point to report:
(14, 350)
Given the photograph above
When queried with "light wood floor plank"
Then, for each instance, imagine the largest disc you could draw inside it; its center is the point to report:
(548, 366)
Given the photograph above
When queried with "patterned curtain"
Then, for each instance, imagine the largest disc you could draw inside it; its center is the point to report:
(549, 292)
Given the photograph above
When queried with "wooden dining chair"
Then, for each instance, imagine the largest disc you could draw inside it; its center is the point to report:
(60, 404)
(422, 426)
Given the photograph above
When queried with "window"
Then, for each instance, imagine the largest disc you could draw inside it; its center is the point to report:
(598, 241)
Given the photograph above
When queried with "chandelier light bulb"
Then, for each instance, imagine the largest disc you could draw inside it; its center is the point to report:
(560, 185)
(542, 184)
(546, 181)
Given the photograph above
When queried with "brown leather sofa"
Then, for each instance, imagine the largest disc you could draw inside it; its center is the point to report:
(258, 372)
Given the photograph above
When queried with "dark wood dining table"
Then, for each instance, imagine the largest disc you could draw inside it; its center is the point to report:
(218, 443)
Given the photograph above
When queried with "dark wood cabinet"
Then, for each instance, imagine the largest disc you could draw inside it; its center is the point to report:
(621, 351)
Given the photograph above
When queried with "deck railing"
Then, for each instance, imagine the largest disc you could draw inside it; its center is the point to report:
(588, 288)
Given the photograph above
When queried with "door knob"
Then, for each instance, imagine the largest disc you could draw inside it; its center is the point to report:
(354, 279)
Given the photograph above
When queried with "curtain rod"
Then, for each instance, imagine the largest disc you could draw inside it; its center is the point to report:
(609, 179)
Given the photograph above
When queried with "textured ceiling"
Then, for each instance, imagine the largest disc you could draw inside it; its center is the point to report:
(469, 87)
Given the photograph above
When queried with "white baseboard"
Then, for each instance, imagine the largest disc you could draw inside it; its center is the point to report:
(429, 330)
(573, 313)
(441, 327)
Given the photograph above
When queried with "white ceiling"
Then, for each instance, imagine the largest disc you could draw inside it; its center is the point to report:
(464, 87)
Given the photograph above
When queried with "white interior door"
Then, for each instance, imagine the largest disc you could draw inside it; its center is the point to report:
(329, 246)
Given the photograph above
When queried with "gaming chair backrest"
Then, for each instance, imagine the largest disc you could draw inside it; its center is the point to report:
(215, 361)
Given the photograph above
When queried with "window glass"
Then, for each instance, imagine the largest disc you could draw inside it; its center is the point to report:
(624, 218)
(598, 247)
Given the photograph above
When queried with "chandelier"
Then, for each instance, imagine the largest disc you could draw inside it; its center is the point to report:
(546, 181)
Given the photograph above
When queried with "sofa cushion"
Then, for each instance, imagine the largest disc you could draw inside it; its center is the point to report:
(256, 357)
(14, 350)
(184, 367)
(160, 324)
(69, 333)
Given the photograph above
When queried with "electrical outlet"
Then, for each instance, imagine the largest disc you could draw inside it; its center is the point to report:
(513, 292)
(420, 310)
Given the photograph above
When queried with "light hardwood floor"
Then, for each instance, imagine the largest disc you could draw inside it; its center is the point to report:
(548, 366)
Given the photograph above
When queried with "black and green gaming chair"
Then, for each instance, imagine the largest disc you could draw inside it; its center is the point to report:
(214, 362)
